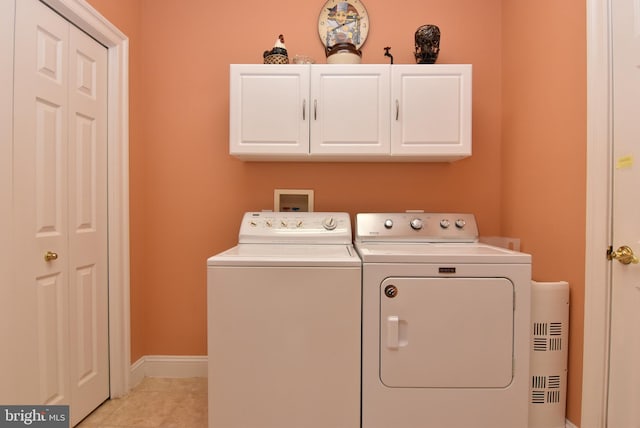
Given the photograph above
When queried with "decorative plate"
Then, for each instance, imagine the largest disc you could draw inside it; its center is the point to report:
(343, 22)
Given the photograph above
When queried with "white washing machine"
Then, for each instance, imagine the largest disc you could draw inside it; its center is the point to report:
(284, 319)
(445, 338)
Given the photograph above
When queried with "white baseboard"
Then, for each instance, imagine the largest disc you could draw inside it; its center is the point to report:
(167, 366)
(569, 424)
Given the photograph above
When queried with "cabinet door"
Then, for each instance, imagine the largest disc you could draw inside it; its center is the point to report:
(350, 110)
(431, 111)
(269, 112)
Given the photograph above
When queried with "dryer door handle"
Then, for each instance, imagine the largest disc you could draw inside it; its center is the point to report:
(397, 332)
(393, 332)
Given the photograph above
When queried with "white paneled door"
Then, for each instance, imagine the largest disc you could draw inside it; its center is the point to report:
(624, 381)
(60, 212)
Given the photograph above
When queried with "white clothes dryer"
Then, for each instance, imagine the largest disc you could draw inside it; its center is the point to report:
(284, 319)
(445, 331)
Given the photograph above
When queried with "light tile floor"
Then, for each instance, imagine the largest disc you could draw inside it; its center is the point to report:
(155, 403)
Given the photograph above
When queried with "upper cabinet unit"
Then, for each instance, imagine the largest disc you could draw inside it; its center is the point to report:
(363, 112)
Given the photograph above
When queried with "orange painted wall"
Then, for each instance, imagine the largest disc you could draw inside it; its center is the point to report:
(188, 194)
(544, 151)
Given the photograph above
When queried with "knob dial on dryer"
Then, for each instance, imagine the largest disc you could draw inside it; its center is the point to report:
(460, 223)
(388, 223)
(416, 224)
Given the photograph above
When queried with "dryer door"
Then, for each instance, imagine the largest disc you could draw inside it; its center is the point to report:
(446, 332)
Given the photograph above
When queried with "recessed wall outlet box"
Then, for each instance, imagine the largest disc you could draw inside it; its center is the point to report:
(293, 200)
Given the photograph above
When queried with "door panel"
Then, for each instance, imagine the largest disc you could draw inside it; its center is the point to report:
(40, 194)
(269, 112)
(87, 220)
(51, 339)
(50, 153)
(433, 110)
(60, 209)
(446, 332)
(284, 347)
(350, 109)
(440, 121)
(624, 386)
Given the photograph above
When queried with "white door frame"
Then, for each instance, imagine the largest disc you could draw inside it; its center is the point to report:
(598, 216)
(85, 17)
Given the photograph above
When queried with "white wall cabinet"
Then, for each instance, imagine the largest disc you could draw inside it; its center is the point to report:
(364, 112)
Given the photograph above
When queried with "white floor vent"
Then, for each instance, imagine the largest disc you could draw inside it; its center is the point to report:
(549, 343)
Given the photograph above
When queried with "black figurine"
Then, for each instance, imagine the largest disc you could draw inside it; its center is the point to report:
(427, 44)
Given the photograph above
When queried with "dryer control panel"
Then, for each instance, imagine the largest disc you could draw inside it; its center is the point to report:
(416, 227)
(295, 227)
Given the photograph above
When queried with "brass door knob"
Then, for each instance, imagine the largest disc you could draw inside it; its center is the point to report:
(624, 255)
(50, 255)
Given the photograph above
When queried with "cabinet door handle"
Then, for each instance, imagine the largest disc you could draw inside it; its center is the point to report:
(315, 109)
(304, 109)
(397, 109)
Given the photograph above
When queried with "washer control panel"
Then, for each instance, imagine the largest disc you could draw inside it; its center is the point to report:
(416, 227)
(298, 227)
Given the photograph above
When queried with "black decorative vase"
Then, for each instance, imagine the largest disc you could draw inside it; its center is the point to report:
(427, 44)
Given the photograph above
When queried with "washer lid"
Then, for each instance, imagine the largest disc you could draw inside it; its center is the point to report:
(374, 252)
(287, 255)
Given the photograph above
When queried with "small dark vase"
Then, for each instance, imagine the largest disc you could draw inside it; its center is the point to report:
(427, 44)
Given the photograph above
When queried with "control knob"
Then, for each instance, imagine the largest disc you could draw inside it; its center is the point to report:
(388, 223)
(444, 223)
(416, 224)
(460, 223)
(329, 223)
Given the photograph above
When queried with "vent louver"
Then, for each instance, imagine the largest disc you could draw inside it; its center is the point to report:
(555, 329)
(543, 339)
(553, 396)
(537, 397)
(545, 389)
